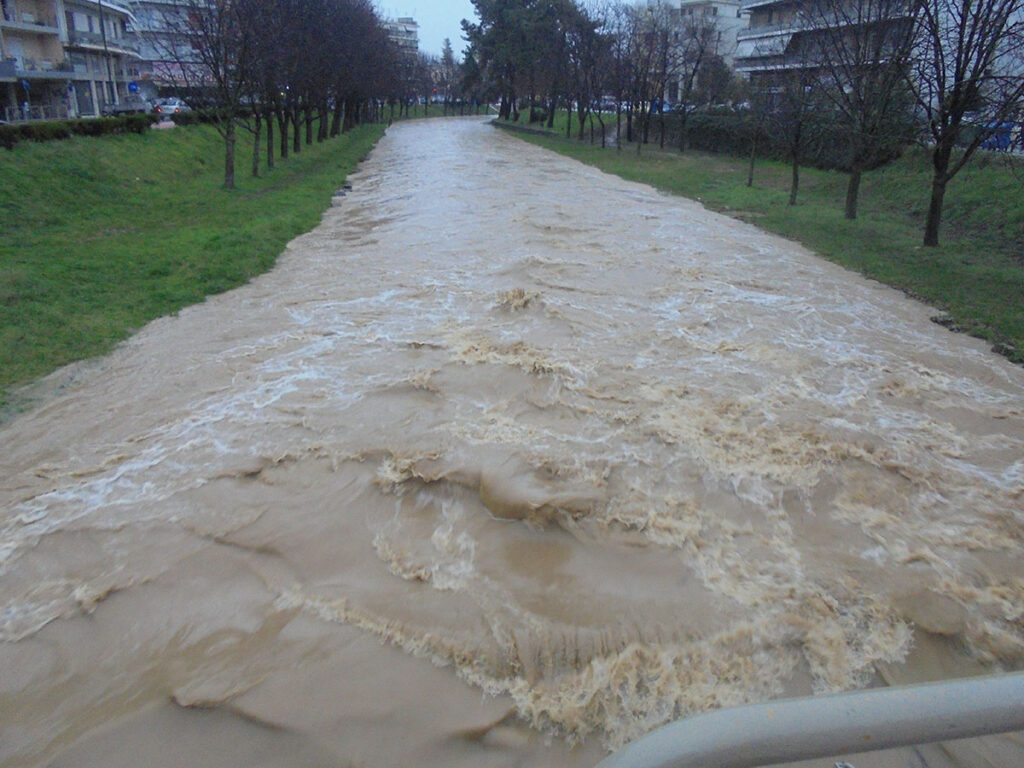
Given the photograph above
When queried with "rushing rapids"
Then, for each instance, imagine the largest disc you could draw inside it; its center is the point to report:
(506, 463)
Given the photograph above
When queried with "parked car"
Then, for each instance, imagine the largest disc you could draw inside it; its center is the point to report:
(172, 106)
(130, 106)
(1001, 138)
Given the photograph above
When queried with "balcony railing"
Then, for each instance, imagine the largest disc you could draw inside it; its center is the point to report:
(26, 67)
(95, 40)
(31, 22)
(769, 29)
(35, 112)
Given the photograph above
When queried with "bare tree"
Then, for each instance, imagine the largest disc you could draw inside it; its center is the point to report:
(862, 50)
(206, 49)
(223, 47)
(590, 65)
(647, 56)
(968, 78)
(795, 97)
(694, 47)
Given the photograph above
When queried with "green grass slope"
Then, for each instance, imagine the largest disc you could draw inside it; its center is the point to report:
(102, 235)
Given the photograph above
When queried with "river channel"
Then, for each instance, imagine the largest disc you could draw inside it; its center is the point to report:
(506, 463)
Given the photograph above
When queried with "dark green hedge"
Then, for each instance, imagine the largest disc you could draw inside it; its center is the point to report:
(51, 130)
(197, 116)
(825, 144)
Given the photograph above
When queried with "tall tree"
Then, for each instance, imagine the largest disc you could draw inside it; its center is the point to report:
(223, 47)
(862, 50)
(448, 70)
(794, 95)
(694, 46)
(968, 78)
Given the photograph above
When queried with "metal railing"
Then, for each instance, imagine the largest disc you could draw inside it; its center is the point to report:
(826, 726)
(96, 40)
(34, 112)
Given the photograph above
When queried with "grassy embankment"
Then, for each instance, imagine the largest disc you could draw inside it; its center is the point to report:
(976, 277)
(101, 235)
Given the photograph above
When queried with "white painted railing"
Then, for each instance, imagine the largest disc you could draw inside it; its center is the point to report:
(826, 726)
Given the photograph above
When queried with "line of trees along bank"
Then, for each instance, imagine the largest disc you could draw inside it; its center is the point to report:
(287, 71)
(870, 75)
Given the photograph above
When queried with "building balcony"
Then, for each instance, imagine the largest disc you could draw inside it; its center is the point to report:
(94, 41)
(785, 28)
(815, 21)
(36, 112)
(26, 68)
(28, 22)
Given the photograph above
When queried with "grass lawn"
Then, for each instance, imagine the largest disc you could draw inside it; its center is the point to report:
(102, 235)
(976, 276)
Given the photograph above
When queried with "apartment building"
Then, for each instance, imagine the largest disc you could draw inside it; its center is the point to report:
(103, 54)
(161, 31)
(64, 58)
(781, 37)
(725, 15)
(405, 33)
(765, 47)
(34, 72)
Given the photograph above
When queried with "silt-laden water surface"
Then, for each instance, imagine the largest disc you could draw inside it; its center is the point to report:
(506, 463)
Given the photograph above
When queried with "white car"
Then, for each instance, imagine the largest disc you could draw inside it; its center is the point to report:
(172, 106)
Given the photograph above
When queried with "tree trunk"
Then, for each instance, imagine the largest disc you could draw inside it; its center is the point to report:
(336, 118)
(940, 161)
(794, 186)
(296, 132)
(852, 190)
(256, 146)
(795, 148)
(750, 169)
(282, 124)
(229, 155)
(348, 121)
(322, 127)
(682, 130)
(931, 226)
(270, 142)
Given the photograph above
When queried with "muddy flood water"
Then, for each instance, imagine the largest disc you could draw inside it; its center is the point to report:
(505, 464)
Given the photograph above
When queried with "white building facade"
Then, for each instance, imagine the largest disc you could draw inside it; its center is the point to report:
(64, 58)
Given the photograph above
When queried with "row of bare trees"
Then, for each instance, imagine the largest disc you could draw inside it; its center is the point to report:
(546, 55)
(288, 71)
(948, 73)
(877, 74)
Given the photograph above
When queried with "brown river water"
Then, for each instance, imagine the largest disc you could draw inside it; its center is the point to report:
(506, 463)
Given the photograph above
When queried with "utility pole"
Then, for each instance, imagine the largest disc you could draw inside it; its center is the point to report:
(106, 55)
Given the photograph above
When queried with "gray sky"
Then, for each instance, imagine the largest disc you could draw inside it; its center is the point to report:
(438, 19)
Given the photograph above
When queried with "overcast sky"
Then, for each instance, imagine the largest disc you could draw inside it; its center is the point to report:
(438, 19)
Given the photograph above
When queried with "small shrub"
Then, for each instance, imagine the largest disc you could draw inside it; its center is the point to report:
(8, 136)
